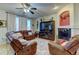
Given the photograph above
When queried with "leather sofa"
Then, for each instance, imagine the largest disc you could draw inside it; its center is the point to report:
(18, 46)
(70, 48)
(23, 49)
(28, 35)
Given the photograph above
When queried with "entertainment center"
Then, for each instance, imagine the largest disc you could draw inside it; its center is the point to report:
(47, 30)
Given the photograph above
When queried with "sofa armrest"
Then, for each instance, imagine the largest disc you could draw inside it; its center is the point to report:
(56, 49)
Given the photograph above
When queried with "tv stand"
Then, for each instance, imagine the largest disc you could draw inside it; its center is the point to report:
(47, 33)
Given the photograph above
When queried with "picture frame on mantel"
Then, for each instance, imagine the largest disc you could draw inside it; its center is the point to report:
(3, 23)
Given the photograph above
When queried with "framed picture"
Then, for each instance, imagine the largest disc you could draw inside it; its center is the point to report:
(65, 18)
(3, 23)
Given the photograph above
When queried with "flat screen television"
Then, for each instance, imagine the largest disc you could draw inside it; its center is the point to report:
(46, 26)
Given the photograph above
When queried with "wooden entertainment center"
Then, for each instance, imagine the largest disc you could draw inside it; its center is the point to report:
(47, 30)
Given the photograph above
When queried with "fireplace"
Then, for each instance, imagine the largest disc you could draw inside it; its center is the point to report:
(64, 33)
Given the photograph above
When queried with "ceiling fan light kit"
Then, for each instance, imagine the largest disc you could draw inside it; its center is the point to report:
(28, 8)
(25, 10)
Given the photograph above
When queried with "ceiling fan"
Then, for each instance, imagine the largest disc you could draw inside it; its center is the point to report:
(28, 8)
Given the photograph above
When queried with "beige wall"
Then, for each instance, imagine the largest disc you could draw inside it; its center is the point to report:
(76, 19)
(3, 30)
(11, 22)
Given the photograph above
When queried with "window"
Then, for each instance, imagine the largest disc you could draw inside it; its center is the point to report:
(28, 24)
(17, 23)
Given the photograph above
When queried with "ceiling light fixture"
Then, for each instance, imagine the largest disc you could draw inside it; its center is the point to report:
(25, 10)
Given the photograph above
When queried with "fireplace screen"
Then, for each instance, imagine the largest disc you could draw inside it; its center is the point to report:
(64, 33)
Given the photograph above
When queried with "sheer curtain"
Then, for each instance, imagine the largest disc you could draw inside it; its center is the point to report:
(22, 23)
(28, 24)
(17, 23)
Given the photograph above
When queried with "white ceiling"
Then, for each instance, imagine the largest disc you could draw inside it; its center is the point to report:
(44, 9)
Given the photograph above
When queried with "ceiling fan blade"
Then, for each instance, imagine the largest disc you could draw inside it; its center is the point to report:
(27, 4)
(34, 8)
(32, 12)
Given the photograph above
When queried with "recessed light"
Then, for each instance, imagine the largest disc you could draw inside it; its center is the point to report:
(56, 7)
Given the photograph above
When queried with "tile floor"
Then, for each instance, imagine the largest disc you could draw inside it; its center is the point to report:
(6, 49)
(42, 48)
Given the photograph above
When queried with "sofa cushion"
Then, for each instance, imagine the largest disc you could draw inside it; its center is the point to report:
(74, 49)
(23, 41)
(24, 32)
(60, 41)
(54, 50)
(17, 35)
(56, 45)
(65, 44)
(70, 44)
(29, 33)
